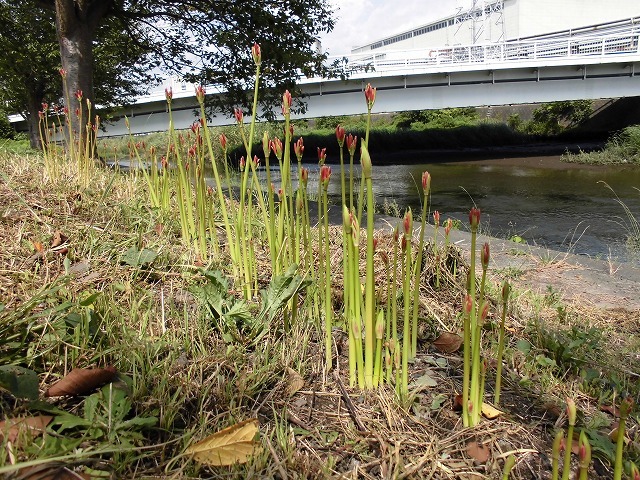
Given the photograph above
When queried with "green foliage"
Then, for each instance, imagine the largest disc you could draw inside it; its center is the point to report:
(235, 318)
(622, 148)
(444, 118)
(6, 130)
(107, 418)
(553, 118)
(19, 381)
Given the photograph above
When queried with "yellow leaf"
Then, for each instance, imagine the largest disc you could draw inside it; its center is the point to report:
(490, 412)
(234, 444)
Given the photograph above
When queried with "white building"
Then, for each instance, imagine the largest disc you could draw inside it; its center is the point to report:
(507, 20)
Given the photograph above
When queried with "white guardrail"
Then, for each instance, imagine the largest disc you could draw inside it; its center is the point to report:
(517, 51)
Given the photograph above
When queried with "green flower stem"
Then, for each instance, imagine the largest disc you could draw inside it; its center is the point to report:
(221, 201)
(348, 289)
(406, 338)
(566, 468)
(379, 332)
(505, 304)
(417, 276)
(369, 308)
(473, 321)
(327, 280)
(466, 377)
(555, 454)
(364, 144)
(585, 457)
(625, 408)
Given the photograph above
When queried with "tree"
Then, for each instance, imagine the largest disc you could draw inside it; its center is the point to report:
(29, 66)
(206, 41)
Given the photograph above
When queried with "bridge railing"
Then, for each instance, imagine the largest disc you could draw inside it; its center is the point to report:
(518, 51)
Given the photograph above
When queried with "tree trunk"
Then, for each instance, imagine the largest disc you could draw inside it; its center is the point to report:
(76, 24)
(33, 121)
(77, 60)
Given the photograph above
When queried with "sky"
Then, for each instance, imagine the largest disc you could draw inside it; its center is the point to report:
(360, 22)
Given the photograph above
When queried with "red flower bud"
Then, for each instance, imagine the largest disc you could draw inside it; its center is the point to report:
(407, 223)
(200, 93)
(237, 112)
(340, 134)
(63, 73)
(322, 155)
(45, 106)
(168, 93)
(242, 164)
(223, 141)
(276, 147)
(256, 161)
(448, 226)
(396, 234)
(256, 54)
(304, 176)
(79, 95)
(436, 218)
(484, 255)
(351, 144)
(286, 103)
(426, 182)
(298, 148)
(370, 95)
(325, 175)
(506, 290)
(474, 218)
(468, 304)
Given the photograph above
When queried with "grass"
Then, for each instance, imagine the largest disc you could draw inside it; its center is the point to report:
(187, 369)
(623, 148)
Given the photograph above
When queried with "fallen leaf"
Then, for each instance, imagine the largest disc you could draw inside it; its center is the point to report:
(448, 342)
(37, 246)
(490, 412)
(612, 409)
(234, 444)
(58, 239)
(158, 228)
(480, 453)
(425, 381)
(457, 403)
(80, 381)
(14, 427)
(50, 472)
(294, 382)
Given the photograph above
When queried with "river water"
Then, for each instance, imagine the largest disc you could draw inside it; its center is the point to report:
(545, 201)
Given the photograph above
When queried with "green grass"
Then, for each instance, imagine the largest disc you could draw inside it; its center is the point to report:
(193, 357)
(623, 148)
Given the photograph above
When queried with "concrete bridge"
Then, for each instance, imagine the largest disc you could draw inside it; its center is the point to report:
(533, 71)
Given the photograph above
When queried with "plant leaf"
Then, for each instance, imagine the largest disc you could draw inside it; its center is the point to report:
(135, 258)
(425, 381)
(294, 382)
(490, 412)
(234, 444)
(448, 342)
(20, 381)
(480, 453)
(80, 381)
(280, 290)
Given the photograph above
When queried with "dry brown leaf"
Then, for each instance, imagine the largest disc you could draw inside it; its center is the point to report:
(58, 239)
(294, 382)
(80, 381)
(612, 409)
(480, 453)
(448, 342)
(14, 427)
(490, 412)
(50, 472)
(457, 403)
(234, 444)
(37, 246)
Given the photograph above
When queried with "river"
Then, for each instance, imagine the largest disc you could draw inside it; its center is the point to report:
(541, 199)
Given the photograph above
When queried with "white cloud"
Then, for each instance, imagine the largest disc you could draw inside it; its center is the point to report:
(363, 21)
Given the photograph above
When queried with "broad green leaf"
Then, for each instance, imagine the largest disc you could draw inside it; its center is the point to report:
(280, 290)
(136, 258)
(20, 381)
